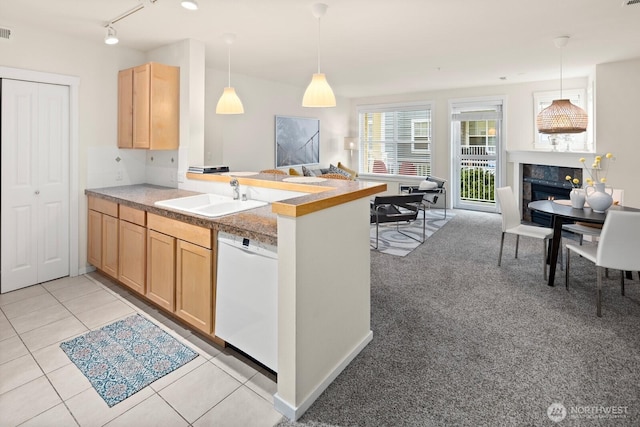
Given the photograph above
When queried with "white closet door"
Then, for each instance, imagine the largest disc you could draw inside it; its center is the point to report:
(35, 183)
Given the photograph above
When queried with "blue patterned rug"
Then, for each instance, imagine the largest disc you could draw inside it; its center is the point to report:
(126, 356)
(391, 242)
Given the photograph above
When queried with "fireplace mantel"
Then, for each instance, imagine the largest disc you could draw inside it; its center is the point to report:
(552, 158)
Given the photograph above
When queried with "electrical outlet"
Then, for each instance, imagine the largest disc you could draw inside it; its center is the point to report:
(118, 175)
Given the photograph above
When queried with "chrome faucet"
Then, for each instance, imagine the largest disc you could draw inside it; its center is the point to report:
(236, 188)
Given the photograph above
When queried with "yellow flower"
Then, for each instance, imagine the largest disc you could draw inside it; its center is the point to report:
(576, 181)
(599, 168)
(568, 177)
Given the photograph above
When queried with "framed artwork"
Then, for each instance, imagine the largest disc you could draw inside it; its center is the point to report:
(297, 141)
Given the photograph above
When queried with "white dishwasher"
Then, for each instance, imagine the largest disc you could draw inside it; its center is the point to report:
(247, 297)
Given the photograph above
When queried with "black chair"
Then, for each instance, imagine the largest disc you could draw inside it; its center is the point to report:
(430, 196)
(400, 208)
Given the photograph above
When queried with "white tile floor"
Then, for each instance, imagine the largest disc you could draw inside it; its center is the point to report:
(40, 386)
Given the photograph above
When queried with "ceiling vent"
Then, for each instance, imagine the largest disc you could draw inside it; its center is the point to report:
(5, 33)
(630, 2)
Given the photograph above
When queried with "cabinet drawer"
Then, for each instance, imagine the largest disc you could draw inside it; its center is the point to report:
(132, 215)
(104, 206)
(188, 232)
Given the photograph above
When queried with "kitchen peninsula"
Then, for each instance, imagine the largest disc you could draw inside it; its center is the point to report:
(321, 231)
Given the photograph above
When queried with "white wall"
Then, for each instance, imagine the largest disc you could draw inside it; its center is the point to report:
(519, 114)
(97, 65)
(618, 92)
(247, 141)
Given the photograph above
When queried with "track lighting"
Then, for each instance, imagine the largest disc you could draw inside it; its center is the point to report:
(112, 36)
(189, 4)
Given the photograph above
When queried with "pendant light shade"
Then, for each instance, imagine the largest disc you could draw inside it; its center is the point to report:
(319, 93)
(229, 102)
(562, 116)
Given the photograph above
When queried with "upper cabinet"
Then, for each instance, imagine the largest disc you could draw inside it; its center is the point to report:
(149, 107)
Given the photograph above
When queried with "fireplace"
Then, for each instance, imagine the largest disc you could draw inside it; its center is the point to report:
(544, 182)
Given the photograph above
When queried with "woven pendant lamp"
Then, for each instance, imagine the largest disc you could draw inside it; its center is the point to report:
(562, 116)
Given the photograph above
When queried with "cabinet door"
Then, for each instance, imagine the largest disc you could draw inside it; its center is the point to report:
(125, 108)
(194, 299)
(141, 109)
(164, 105)
(133, 251)
(161, 276)
(110, 245)
(94, 239)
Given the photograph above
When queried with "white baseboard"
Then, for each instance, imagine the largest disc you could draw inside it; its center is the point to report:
(294, 413)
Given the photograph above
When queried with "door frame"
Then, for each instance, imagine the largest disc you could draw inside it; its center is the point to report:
(501, 153)
(73, 82)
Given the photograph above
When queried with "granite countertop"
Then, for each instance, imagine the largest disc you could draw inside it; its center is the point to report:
(259, 224)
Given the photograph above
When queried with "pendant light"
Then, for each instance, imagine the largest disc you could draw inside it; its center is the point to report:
(562, 116)
(229, 103)
(319, 93)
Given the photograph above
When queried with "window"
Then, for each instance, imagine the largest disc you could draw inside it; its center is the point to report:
(577, 142)
(395, 139)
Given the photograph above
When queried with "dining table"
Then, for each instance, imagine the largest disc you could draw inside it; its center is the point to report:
(562, 212)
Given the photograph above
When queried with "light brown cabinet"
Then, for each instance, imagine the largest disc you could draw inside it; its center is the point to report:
(132, 249)
(149, 107)
(161, 269)
(180, 270)
(102, 236)
(194, 299)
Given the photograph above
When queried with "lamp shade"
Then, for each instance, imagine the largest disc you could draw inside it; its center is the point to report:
(319, 93)
(562, 117)
(229, 103)
(350, 143)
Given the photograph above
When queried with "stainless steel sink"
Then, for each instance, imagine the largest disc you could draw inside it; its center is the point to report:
(210, 204)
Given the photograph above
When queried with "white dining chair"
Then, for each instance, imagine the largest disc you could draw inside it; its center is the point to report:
(617, 249)
(511, 224)
(593, 230)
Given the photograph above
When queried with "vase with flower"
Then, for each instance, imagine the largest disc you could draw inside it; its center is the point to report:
(577, 195)
(596, 195)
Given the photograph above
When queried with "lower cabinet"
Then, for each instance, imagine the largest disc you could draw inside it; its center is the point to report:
(102, 236)
(161, 269)
(110, 245)
(170, 262)
(132, 250)
(180, 270)
(194, 301)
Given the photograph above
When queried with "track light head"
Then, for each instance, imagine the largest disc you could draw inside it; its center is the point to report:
(112, 36)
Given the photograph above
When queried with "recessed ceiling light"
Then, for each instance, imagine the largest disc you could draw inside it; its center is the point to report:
(189, 4)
